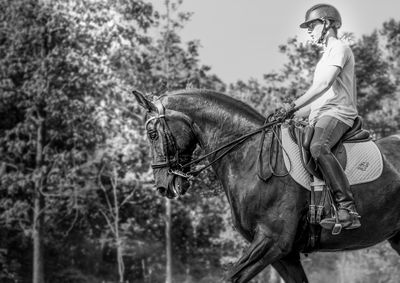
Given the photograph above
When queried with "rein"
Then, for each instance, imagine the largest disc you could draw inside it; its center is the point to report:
(179, 167)
(232, 145)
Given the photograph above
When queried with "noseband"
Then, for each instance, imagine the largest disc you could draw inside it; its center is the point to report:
(174, 166)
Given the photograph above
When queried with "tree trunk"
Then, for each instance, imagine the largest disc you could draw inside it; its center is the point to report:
(168, 267)
(120, 260)
(38, 271)
(38, 202)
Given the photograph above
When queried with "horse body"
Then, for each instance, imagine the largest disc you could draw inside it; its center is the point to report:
(271, 214)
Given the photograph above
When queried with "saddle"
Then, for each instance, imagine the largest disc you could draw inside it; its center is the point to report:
(302, 136)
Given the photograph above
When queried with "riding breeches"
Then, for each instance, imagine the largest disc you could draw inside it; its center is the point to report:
(328, 131)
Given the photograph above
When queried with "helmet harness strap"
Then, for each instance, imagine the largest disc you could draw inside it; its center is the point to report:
(324, 30)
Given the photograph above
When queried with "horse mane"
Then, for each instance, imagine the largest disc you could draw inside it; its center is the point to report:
(231, 104)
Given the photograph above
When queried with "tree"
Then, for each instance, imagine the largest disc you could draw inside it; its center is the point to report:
(296, 75)
(390, 34)
(391, 38)
(373, 78)
(55, 68)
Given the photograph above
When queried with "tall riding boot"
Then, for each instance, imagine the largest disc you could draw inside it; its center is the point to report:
(337, 181)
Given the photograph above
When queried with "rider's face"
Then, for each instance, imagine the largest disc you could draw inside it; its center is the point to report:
(315, 30)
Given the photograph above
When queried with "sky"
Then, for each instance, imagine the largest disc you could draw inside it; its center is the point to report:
(240, 38)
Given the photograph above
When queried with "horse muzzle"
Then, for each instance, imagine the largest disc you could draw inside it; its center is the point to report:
(174, 187)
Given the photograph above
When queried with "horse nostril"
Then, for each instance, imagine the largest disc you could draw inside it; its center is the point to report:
(162, 191)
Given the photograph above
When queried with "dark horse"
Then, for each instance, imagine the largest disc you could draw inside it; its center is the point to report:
(269, 214)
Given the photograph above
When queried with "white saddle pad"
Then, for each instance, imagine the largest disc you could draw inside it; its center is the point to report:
(364, 161)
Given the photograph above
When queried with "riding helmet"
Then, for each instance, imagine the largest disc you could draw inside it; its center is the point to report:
(322, 12)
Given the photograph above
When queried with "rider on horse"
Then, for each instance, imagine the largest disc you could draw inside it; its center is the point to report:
(331, 105)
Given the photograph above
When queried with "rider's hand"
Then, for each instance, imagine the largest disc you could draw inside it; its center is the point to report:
(286, 111)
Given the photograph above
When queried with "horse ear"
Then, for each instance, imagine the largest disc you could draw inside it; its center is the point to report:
(144, 101)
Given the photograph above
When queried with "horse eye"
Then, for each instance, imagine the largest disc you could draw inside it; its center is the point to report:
(153, 135)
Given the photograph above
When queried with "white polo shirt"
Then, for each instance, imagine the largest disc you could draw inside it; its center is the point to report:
(340, 100)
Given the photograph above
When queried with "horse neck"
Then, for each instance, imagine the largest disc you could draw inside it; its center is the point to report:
(218, 119)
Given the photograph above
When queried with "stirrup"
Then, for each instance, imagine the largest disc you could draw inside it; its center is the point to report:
(331, 224)
(334, 220)
(337, 228)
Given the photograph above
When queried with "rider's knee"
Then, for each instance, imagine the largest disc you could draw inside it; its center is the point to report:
(319, 149)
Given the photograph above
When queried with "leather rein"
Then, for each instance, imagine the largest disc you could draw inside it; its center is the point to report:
(173, 164)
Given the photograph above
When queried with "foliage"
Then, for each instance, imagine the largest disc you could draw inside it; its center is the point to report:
(57, 69)
(373, 80)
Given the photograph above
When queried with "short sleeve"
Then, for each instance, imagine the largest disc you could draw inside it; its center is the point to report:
(338, 55)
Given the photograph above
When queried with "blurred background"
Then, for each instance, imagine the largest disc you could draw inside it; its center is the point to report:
(76, 197)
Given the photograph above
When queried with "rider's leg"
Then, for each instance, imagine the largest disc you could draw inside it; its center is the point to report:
(328, 132)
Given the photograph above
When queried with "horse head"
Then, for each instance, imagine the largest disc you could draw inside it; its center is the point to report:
(172, 142)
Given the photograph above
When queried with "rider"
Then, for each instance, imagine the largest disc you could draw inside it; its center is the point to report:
(331, 101)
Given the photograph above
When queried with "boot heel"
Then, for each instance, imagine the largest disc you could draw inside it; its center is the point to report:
(355, 224)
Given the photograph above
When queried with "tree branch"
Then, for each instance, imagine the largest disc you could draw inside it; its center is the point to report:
(127, 198)
(104, 189)
(73, 223)
(108, 221)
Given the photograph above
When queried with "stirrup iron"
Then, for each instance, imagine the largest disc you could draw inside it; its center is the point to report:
(337, 228)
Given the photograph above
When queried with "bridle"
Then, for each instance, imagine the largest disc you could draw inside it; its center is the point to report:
(172, 161)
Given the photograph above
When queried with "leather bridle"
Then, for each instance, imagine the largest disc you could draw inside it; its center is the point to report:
(172, 160)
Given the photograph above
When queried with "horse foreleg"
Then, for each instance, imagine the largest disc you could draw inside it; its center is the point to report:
(395, 242)
(291, 269)
(262, 251)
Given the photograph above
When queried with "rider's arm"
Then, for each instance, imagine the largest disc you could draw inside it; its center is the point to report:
(303, 112)
(322, 82)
